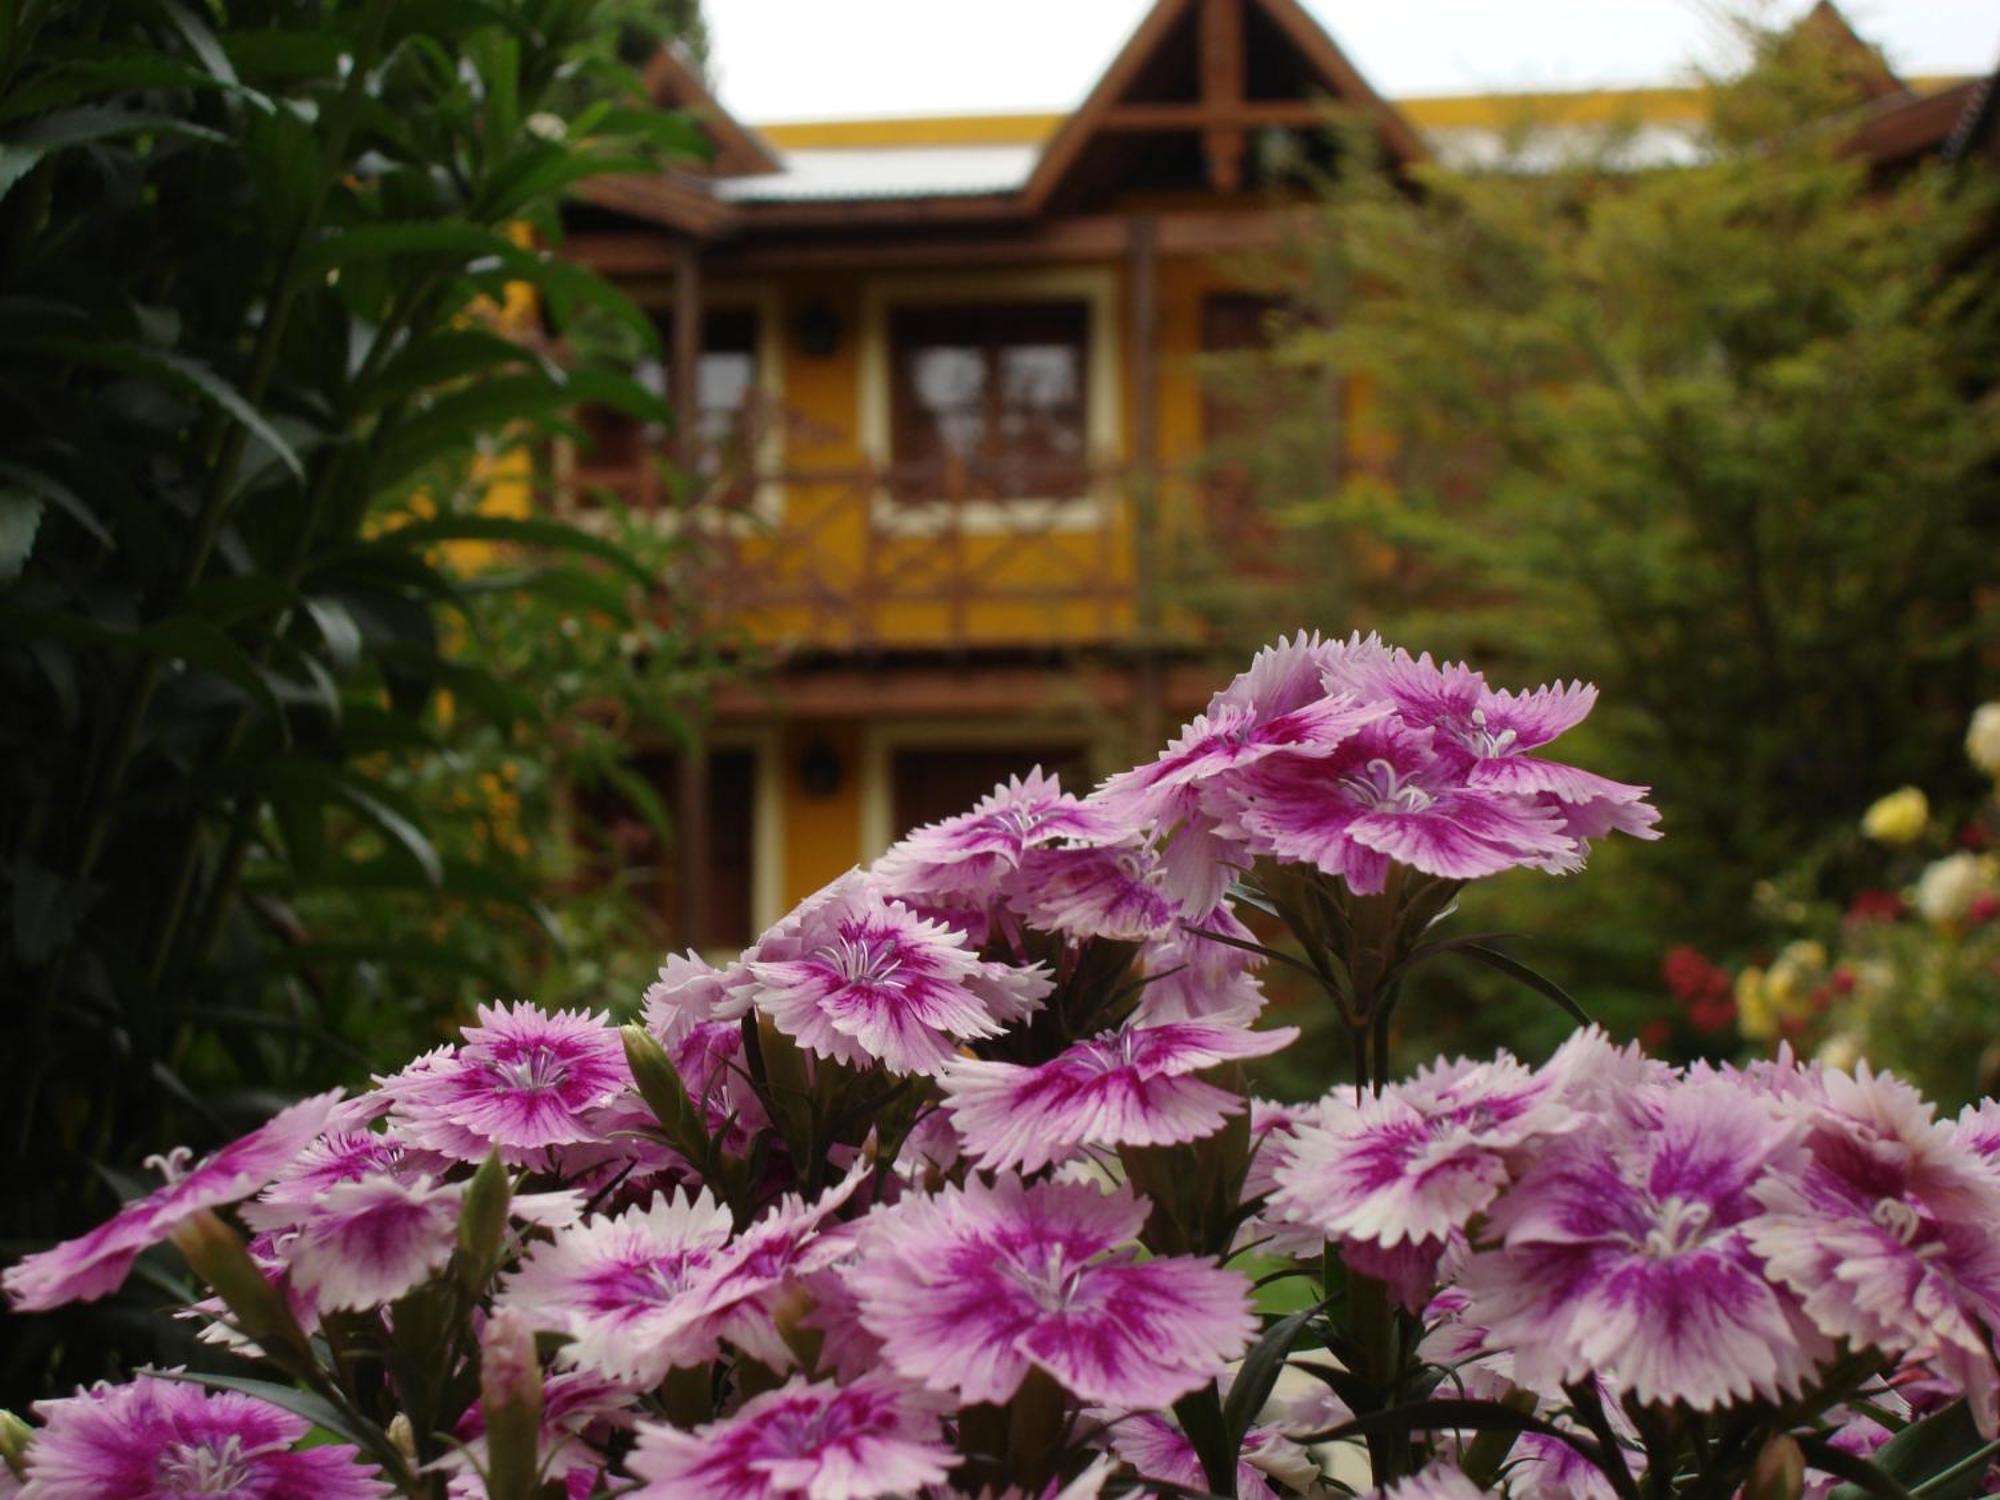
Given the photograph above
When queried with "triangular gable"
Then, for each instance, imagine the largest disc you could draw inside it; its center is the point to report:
(1217, 106)
(739, 150)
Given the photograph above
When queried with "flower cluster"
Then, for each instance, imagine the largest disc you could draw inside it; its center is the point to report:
(1891, 941)
(953, 1184)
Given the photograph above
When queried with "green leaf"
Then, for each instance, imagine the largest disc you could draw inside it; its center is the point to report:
(170, 368)
(295, 776)
(20, 519)
(1259, 1373)
(455, 420)
(525, 532)
(182, 638)
(98, 122)
(1200, 1414)
(533, 174)
(60, 495)
(337, 628)
(17, 162)
(200, 39)
(487, 256)
(1934, 1457)
(1493, 958)
(1862, 1477)
(441, 359)
(80, 78)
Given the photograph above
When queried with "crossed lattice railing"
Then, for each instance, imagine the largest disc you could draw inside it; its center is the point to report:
(879, 557)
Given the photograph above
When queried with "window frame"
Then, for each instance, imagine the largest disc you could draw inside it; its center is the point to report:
(1103, 399)
(766, 505)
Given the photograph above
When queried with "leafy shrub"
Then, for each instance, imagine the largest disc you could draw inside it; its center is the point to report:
(265, 344)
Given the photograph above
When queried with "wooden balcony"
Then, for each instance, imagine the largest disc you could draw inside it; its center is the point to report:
(1025, 555)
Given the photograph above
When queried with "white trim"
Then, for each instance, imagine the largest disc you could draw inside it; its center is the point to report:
(1097, 288)
(880, 742)
(767, 820)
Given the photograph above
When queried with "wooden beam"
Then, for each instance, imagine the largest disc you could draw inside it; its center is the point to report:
(1222, 67)
(1142, 276)
(1250, 113)
(691, 821)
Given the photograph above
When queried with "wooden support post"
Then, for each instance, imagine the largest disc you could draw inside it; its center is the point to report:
(1142, 275)
(1222, 69)
(691, 822)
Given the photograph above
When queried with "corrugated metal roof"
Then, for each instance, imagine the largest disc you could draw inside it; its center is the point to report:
(1549, 148)
(887, 172)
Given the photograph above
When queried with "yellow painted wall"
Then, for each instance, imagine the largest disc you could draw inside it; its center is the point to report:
(822, 833)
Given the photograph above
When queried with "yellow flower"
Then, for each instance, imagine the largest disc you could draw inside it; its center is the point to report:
(1898, 818)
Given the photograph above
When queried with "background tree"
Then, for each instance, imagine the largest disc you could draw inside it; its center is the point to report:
(276, 291)
(1719, 438)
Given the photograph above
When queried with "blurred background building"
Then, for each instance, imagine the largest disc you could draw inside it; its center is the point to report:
(949, 413)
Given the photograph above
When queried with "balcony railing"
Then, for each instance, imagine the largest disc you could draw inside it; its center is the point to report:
(1020, 554)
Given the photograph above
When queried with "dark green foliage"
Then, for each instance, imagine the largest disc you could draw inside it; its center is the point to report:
(1719, 439)
(251, 257)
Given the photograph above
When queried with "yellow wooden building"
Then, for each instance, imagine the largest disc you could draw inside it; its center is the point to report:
(948, 398)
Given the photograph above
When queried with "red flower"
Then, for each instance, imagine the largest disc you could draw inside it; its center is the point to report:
(1874, 906)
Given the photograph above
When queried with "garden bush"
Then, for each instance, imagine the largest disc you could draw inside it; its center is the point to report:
(1717, 435)
(953, 1183)
(280, 309)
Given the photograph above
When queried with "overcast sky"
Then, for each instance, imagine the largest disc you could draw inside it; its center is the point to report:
(843, 59)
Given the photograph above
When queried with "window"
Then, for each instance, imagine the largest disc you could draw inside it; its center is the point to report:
(989, 401)
(726, 390)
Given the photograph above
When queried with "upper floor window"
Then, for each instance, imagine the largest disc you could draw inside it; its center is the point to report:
(726, 386)
(989, 401)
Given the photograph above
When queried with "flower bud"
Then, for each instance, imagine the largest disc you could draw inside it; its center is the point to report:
(1779, 1472)
(15, 1435)
(510, 1397)
(665, 1095)
(482, 1222)
(219, 1257)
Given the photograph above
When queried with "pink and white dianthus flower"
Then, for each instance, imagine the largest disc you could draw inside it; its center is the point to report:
(1157, 1449)
(619, 1286)
(1386, 794)
(875, 1437)
(1134, 1087)
(337, 1157)
(972, 1288)
(1417, 1161)
(156, 1439)
(1190, 976)
(1438, 1481)
(1494, 730)
(1886, 1234)
(86, 1268)
(523, 1079)
(695, 1011)
(365, 1243)
(1626, 1252)
(962, 861)
(873, 982)
(1276, 710)
(1083, 891)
